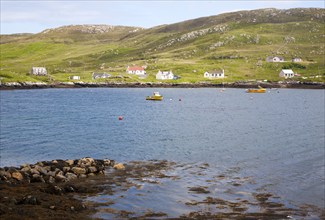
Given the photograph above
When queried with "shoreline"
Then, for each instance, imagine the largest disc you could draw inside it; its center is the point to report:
(27, 192)
(244, 85)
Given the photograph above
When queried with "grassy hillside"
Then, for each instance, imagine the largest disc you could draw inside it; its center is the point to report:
(238, 42)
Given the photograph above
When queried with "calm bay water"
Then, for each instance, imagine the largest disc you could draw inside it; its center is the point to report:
(277, 137)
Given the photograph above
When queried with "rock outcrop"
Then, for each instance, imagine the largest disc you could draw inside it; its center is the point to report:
(55, 170)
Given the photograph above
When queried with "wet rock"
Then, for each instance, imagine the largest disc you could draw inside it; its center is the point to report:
(30, 200)
(119, 166)
(106, 162)
(199, 189)
(82, 176)
(90, 174)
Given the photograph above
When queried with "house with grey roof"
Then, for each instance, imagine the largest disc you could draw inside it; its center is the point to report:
(274, 59)
(286, 73)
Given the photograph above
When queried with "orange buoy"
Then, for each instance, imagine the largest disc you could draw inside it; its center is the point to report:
(120, 118)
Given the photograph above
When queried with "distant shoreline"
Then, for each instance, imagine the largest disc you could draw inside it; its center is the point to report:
(41, 85)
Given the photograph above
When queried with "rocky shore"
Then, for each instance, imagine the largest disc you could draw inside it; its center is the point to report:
(56, 170)
(42, 85)
(47, 189)
(89, 188)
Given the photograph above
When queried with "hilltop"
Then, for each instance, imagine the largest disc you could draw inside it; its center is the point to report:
(237, 42)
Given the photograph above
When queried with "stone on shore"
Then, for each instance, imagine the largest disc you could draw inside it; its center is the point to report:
(119, 166)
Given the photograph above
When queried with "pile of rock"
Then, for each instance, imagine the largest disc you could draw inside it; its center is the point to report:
(56, 170)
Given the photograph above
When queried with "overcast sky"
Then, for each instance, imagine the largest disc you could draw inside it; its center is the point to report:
(35, 16)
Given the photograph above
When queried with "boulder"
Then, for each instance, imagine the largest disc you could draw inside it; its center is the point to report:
(92, 169)
(71, 176)
(34, 171)
(66, 169)
(17, 175)
(70, 162)
(78, 170)
(119, 166)
(60, 178)
(37, 178)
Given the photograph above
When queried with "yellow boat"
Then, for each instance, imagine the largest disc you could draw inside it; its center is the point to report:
(155, 97)
(259, 90)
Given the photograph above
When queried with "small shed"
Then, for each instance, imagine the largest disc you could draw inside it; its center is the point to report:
(74, 77)
(39, 71)
(286, 73)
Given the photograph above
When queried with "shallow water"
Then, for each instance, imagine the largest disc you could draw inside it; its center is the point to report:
(277, 137)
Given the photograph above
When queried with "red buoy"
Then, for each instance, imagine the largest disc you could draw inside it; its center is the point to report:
(120, 118)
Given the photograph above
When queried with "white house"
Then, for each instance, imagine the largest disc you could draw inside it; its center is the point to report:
(274, 59)
(215, 74)
(296, 60)
(137, 70)
(40, 71)
(165, 75)
(100, 75)
(74, 77)
(287, 73)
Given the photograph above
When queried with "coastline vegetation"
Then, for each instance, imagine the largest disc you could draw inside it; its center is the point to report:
(237, 42)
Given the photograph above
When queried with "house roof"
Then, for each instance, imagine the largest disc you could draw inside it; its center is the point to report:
(135, 68)
(215, 71)
(287, 71)
(165, 72)
(271, 57)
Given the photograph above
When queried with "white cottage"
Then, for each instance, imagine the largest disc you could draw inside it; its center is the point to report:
(215, 74)
(164, 75)
(137, 70)
(274, 59)
(74, 77)
(286, 73)
(296, 60)
(40, 71)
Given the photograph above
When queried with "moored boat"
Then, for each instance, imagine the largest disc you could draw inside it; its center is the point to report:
(259, 90)
(155, 97)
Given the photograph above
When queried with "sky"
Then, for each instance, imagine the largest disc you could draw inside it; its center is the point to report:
(25, 16)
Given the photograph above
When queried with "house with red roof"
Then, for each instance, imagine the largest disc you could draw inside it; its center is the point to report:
(137, 70)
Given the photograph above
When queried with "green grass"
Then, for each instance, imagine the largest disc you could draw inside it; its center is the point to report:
(65, 53)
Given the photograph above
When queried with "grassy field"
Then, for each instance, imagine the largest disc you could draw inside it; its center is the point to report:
(188, 49)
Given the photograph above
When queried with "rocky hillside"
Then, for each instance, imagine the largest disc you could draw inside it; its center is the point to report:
(237, 42)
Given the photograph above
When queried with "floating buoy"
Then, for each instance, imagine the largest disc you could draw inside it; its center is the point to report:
(120, 118)
(179, 99)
